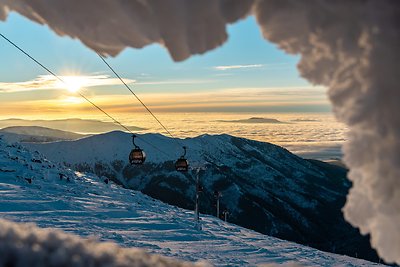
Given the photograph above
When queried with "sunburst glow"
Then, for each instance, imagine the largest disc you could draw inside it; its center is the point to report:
(74, 83)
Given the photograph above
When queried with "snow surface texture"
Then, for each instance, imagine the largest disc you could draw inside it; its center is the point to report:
(265, 187)
(348, 46)
(32, 191)
(28, 245)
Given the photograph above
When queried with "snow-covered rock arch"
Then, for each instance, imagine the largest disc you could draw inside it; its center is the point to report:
(349, 46)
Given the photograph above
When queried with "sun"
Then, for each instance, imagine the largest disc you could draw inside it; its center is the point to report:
(73, 83)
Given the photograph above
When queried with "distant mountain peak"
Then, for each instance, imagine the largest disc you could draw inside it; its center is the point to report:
(77, 125)
(37, 134)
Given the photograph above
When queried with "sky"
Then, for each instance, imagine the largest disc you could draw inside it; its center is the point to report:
(231, 78)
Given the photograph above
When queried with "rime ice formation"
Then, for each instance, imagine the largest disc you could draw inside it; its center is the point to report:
(28, 245)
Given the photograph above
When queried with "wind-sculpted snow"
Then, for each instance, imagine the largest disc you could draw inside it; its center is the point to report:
(165, 22)
(27, 245)
(349, 46)
(33, 191)
(352, 48)
(264, 187)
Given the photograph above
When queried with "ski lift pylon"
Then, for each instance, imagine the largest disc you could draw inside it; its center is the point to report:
(137, 155)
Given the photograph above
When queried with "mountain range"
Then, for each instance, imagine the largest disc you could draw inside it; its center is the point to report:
(35, 189)
(76, 125)
(264, 187)
(37, 134)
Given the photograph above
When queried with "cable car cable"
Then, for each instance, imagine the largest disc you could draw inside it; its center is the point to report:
(64, 82)
(181, 164)
(80, 94)
(141, 102)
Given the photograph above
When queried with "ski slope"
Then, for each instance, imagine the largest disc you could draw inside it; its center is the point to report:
(87, 206)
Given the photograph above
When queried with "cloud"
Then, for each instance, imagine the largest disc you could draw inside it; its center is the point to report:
(351, 47)
(290, 99)
(316, 150)
(231, 67)
(181, 81)
(231, 96)
(49, 82)
(271, 66)
(255, 120)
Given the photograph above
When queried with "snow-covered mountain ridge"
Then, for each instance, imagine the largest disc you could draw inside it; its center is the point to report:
(264, 187)
(35, 134)
(32, 191)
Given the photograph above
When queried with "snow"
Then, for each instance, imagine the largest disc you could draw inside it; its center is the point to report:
(86, 206)
(26, 245)
(112, 145)
(116, 145)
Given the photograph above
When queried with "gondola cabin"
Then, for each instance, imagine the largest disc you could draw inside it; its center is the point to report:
(137, 155)
(182, 165)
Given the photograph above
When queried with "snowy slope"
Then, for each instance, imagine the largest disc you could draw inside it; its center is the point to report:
(26, 245)
(265, 187)
(115, 145)
(31, 191)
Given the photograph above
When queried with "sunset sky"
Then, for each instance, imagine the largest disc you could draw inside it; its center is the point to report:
(246, 74)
